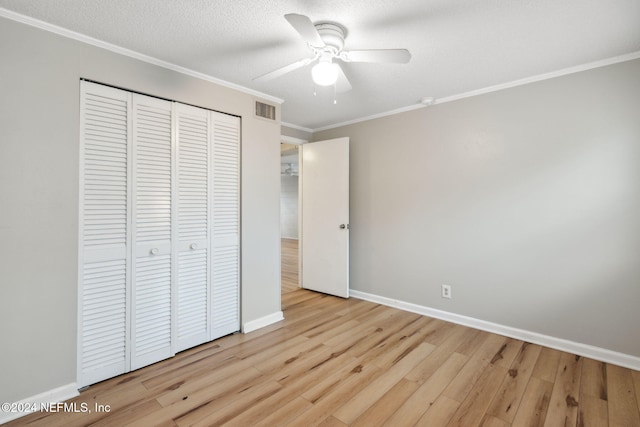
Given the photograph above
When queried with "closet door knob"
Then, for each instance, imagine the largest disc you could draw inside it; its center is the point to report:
(154, 251)
(193, 246)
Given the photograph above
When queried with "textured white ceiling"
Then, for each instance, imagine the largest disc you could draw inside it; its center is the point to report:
(457, 46)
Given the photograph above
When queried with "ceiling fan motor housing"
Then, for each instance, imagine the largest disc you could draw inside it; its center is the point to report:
(332, 34)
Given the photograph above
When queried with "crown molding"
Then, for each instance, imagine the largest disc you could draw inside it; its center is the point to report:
(508, 85)
(373, 116)
(130, 53)
(292, 126)
(541, 77)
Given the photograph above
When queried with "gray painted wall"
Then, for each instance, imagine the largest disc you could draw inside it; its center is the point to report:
(526, 201)
(39, 125)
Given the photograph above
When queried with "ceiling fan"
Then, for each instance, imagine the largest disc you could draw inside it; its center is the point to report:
(289, 170)
(326, 41)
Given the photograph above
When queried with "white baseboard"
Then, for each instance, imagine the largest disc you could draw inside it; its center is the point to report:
(59, 394)
(252, 325)
(585, 350)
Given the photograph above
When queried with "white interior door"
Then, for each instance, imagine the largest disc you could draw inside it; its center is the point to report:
(324, 181)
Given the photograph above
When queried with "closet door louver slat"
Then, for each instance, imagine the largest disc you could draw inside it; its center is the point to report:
(226, 225)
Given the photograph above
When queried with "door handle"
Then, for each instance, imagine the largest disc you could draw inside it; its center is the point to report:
(343, 226)
(193, 246)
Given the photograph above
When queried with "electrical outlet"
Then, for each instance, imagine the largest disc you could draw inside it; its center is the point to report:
(446, 291)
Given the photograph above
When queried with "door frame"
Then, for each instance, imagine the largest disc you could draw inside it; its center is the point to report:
(296, 141)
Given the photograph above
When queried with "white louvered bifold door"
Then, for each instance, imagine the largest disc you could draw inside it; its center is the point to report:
(152, 196)
(193, 182)
(103, 234)
(226, 225)
(159, 230)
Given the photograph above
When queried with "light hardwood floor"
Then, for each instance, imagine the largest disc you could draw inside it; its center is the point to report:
(336, 362)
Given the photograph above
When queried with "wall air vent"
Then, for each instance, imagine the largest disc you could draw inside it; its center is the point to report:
(265, 110)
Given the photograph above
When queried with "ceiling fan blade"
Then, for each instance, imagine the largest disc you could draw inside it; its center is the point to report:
(282, 71)
(342, 83)
(303, 25)
(400, 56)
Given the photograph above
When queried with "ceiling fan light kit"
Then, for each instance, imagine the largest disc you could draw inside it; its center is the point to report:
(326, 42)
(325, 72)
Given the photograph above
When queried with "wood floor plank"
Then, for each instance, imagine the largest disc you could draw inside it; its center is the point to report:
(334, 380)
(388, 351)
(384, 407)
(420, 401)
(128, 414)
(592, 412)
(474, 407)
(189, 386)
(309, 373)
(221, 374)
(357, 308)
(622, 403)
(473, 342)
(175, 377)
(284, 414)
(224, 409)
(593, 381)
(298, 301)
(201, 400)
(547, 365)
(534, 405)
(332, 422)
(636, 382)
(464, 381)
(359, 403)
(385, 355)
(439, 413)
(385, 329)
(370, 337)
(440, 354)
(289, 265)
(563, 405)
(593, 408)
(305, 325)
(331, 394)
(327, 329)
(507, 353)
(438, 331)
(491, 421)
(505, 404)
(499, 350)
(283, 359)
